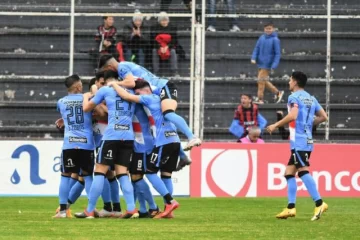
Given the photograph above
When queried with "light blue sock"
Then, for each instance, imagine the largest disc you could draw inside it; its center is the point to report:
(140, 196)
(95, 191)
(157, 183)
(311, 186)
(72, 182)
(128, 192)
(180, 124)
(182, 154)
(114, 190)
(147, 194)
(64, 189)
(292, 188)
(105, 195)
(76, 191)
(88, 182)
(168, 183)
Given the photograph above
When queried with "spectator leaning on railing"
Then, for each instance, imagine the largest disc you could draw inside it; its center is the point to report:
(246, 115)
(164, 39)
(135, 39)
(106, 36)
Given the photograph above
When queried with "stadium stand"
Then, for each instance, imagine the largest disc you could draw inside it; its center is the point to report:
(227, 62)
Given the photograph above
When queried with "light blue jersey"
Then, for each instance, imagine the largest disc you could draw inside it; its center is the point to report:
(126, 68)
(78, 125)
(301, 129)
(144, 140)
(120, 114)
(165, 130)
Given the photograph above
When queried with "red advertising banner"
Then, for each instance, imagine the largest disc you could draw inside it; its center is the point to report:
(257, 170)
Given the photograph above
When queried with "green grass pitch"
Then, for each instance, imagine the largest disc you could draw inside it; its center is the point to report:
(206, 218)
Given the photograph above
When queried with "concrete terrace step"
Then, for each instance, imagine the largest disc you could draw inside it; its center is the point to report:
(220, 42)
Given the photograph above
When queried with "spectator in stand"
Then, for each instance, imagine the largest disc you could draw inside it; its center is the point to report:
(246, 115)
(106, 37)
(253, 136)
(266, 55)
(135, 39)
(164, 38)
(234, 27)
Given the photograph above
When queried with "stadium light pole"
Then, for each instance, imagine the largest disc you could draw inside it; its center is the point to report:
(72, 32)
(328, 69)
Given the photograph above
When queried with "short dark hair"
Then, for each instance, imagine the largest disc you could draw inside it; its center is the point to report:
(92, 82)
(104, 59)
(71, 80)
(269, 24)
(300, 78)
(246, 94)
(105, 17)
(99, 75)
(141, 84)
(110, 74)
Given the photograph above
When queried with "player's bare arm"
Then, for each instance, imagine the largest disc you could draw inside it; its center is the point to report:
(128, 82)
(321, 116)
(100, 112)
(291, 116)
(124, 94)
(87, 104)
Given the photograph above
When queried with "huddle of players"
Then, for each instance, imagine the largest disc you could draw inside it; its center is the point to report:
(140, 138)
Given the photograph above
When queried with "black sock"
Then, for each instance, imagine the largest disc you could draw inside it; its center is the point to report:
(116, 207)
(318, 203)
(168, 198)
(63, 207)
(291, 205)
(107, 206)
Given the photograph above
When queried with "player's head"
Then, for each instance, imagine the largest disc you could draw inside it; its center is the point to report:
(108, 21)
(297, 80)
(245, 100)
(254, 133)
(269, 28)
(110, 75)
(73, 84)
(108, 62)
(142, 87)
(100, 81)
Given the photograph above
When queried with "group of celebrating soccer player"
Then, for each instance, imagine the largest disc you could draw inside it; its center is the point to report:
(133, 126)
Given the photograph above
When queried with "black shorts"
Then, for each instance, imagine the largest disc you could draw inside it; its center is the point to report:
(163, 158)
(169, 91)
(299, 158)
(117, 152)
(137, 163)
(77, 161)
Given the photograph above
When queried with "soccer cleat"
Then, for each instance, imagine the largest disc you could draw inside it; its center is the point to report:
(153, 212)
(57, 210)
(144, 215)
(169, 208)
(68, 212)
(319, 211)
(85, 214)
(279, 96)
(105, 214)
(60, 214)
(185, 161)
(116, 214)
(195, 142)
(131, 215)
(286, 213)
(171, 215)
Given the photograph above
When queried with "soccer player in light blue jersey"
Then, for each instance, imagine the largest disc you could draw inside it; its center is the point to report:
(165, 153)
(78, 146)
(304, 112)
(116, 147)
(129, 72)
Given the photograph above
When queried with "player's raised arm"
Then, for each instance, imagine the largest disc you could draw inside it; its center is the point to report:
(128, 82)
(125, 94)
(87, 104)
